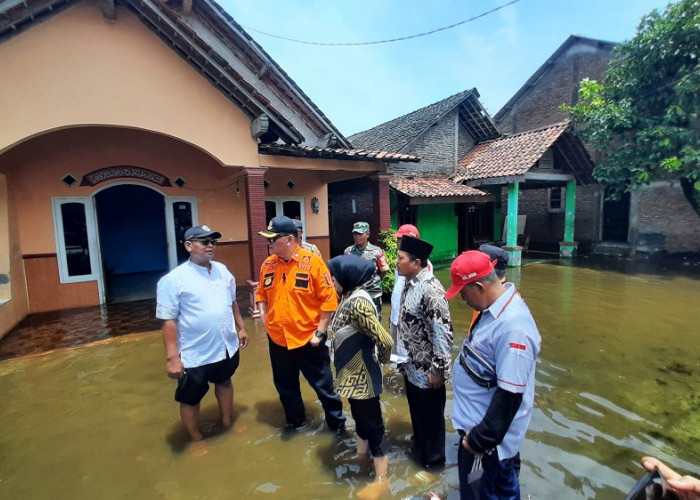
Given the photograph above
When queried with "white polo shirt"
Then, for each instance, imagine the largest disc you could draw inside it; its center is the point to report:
(506, 337)
(200, 302)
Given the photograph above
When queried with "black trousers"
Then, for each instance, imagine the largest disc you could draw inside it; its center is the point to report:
(427, 408)
(315, 364)
(369, 423)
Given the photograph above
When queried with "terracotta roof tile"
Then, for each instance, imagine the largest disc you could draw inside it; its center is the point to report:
(509, 155)
(434, 187)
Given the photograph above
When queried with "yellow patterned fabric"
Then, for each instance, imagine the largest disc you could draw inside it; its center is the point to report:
(357, 338)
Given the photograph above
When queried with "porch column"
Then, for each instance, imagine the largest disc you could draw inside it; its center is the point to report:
(568, 247)
(380, 201)
(514, 251)
(255, 207)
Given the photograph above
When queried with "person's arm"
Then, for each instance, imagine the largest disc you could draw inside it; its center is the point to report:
(262, 307)
(322, 327)
(174, 364)
(687, 487)
(439, 326)
(382, 265)
(365, 321)
(240, 326)
(489, 433)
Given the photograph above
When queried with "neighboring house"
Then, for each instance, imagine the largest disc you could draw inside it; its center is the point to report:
(125, 123)
(550, 159)
(652, 218)
(448, 215)
(454, 194)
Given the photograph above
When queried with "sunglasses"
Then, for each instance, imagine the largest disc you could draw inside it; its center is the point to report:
(275, 238)
(206, 243)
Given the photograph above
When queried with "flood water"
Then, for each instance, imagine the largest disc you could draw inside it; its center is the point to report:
(618, 378)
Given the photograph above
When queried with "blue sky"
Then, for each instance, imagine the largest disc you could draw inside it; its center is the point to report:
(359, 87)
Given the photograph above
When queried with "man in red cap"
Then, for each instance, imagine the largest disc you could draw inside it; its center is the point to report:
(493, 379)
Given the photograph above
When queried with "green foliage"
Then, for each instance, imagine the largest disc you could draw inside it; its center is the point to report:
(643, 117)
(388, 243)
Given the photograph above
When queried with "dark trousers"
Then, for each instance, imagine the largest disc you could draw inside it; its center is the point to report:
(315, 364)
(427, 408)
(497, 479)
(369, 424)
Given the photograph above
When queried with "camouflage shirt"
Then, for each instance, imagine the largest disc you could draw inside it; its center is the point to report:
(375, 254)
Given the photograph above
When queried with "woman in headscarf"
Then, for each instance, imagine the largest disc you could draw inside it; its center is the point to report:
(355, 332)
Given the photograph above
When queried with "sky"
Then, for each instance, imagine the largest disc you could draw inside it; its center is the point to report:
(360, 86)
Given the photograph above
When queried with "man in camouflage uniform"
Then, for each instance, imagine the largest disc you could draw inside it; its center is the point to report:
(368, 251)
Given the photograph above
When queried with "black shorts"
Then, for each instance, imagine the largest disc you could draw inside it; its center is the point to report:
(192, 387)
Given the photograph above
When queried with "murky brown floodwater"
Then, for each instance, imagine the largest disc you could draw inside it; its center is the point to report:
(617, 378)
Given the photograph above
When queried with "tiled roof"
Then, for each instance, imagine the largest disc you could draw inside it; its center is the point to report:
(396, 134)
(435, 187)
(335, 153)
(508, 156)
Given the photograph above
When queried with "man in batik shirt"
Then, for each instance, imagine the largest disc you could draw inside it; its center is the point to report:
(424, 346)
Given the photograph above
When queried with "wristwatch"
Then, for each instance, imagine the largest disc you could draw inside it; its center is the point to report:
(321, 335)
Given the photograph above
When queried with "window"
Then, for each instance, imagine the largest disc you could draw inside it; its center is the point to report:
(76, 241)
(556, 199)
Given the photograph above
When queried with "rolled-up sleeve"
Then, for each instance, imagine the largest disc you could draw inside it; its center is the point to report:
(167, 299)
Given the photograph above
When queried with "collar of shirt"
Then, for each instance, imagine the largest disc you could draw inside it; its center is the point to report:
(501, 302)
(422, 275)
(201, 269)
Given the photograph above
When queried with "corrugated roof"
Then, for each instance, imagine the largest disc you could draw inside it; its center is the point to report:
(508, 156)
(435, 187)
(335, 153)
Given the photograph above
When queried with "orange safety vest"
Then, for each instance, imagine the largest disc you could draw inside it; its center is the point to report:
(296, 292)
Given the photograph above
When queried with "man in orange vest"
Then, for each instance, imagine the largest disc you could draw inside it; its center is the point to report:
(296, 298)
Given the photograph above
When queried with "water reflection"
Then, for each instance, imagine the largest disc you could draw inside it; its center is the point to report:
(617, 378)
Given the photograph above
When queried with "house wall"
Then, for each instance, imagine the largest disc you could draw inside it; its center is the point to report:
(50, 68)
(15, 303)
(437, 147)
(559, 85)
(546, 229)
(671, 226)
(438, 226)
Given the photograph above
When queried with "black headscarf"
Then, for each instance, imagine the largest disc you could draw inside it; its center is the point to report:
(351, 271)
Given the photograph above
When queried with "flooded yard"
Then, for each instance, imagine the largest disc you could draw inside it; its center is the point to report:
(618, 378)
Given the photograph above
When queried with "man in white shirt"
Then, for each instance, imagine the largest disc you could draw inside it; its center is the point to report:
(197, 301)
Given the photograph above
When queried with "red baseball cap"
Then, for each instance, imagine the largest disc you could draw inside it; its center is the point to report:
(407, 230)
(467, 267)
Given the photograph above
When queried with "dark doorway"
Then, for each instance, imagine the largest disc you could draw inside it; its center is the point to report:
(616, 218)
(133, 242)
(349, 202)
(474, 225)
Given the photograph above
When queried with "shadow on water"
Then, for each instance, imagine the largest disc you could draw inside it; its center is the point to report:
(618, 377)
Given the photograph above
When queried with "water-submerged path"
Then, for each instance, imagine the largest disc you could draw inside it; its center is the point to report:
(617, 378)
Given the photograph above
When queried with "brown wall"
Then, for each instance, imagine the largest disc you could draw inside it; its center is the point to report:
(559, 85)
(665, 214)
(125, 76)
(45, 291)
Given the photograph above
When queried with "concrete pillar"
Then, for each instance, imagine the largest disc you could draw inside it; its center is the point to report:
(514, 251)
(569, 247)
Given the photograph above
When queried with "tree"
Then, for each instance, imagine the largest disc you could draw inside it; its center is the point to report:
(643, 117)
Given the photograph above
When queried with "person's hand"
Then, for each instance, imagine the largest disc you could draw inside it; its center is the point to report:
(315, 341)
(243, 338)
(175, 368)
(435, 381)
(465, 445)
(687, 487)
